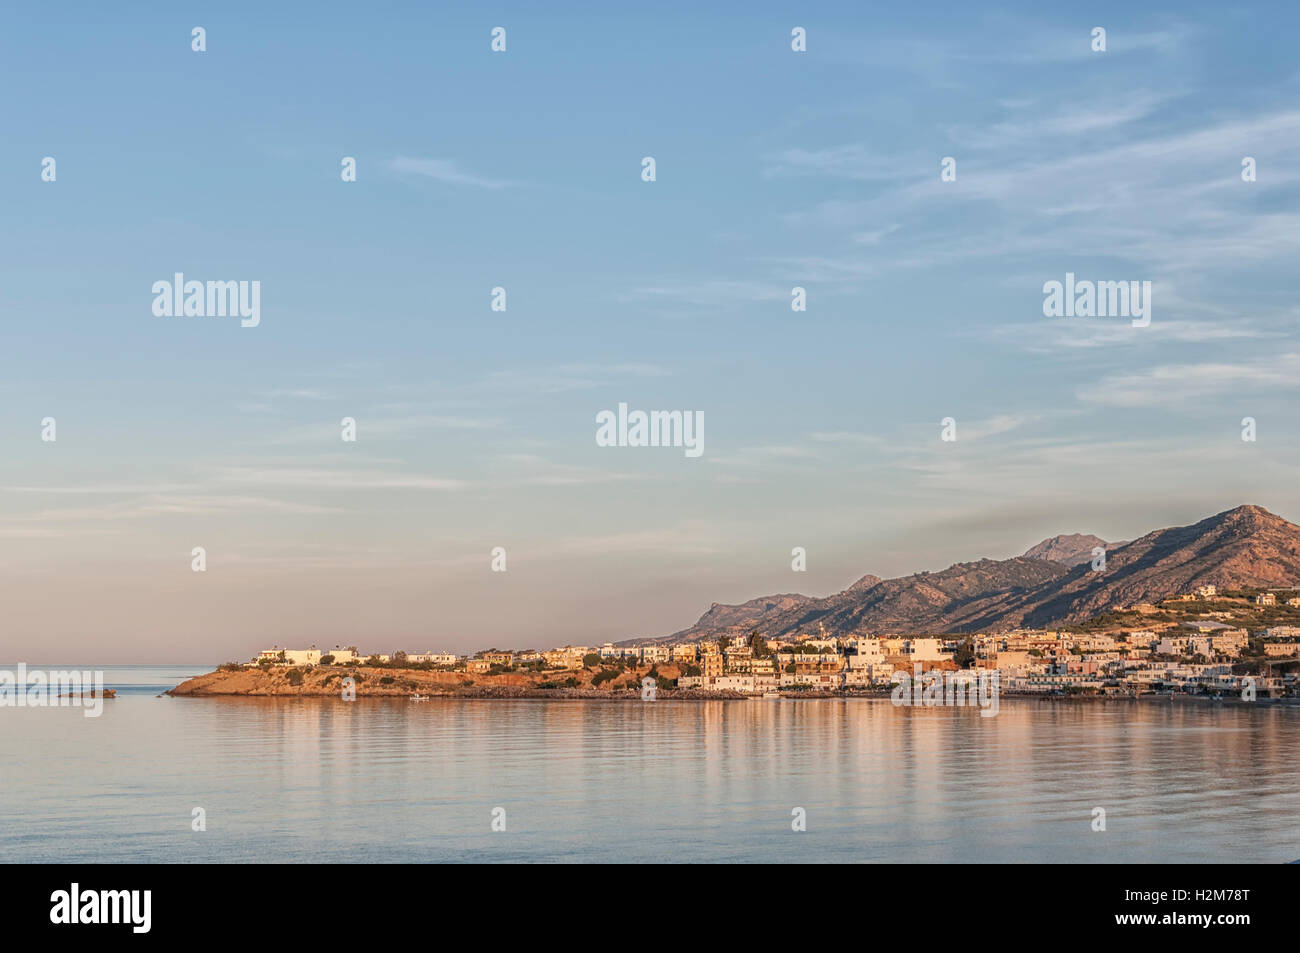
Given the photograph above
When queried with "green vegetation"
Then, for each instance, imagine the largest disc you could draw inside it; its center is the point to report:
(965, 654)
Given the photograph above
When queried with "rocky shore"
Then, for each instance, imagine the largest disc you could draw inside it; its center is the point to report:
(328, 681)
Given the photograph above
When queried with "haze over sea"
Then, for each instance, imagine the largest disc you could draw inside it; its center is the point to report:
(311, 779)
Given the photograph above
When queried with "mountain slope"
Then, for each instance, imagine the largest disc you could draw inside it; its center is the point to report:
(721, 616)
(1242, 547)
(1067, 550)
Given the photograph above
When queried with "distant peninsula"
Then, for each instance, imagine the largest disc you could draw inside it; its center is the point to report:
(391, 680)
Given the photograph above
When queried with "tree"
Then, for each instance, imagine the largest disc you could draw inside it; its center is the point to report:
(399, 658)
(591, 660)
(965, 655)
(327, 660)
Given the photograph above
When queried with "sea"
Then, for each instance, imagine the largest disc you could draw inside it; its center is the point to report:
(248, 780)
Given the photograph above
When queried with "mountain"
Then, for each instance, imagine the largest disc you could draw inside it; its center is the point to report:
(1068, 550)
(743, 618)
(1242, 547)
(722, 617)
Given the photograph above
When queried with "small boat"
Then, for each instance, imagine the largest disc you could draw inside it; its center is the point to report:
(771, 694)
(419, 698)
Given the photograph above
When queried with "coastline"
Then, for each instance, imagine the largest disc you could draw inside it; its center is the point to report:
(402, 683)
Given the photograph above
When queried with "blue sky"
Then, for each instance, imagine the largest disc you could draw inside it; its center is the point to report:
(522, 169)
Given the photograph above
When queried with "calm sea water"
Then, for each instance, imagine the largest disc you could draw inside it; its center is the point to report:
(326, 780)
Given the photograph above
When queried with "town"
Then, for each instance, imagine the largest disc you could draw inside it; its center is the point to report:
(1243, 642)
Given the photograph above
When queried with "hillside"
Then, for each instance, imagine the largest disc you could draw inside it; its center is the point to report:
(1068, 550)
(1244, 547)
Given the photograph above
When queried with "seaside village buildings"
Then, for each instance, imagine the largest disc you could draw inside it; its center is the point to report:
(1204, 647)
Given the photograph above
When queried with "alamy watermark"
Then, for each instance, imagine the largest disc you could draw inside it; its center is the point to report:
(76, 905)
(936, 688)
(1098, 299)
(52, 689)
(179, 298)
(658, 428)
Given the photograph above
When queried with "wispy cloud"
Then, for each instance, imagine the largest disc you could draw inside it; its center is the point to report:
(446, 171)
(1051, 336)
(991, 426)
(1180, 385)
(562, 378)
(326, 432)
(707, 294)
(526, 469)
(1194, 213)
(340, 478)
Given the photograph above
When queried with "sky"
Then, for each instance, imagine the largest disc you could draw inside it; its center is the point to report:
(522, 169)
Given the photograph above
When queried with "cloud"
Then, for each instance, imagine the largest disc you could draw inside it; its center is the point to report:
(526, 469)
(324, 478)
(445, 171)
(327, 431)
(1170, 203)
(1053, 335)
(1180, 385)
(296, 393)
(708, 294)
(854, 161)
(562, 378)
(178, 505)
(991, 426)
(847, 437)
